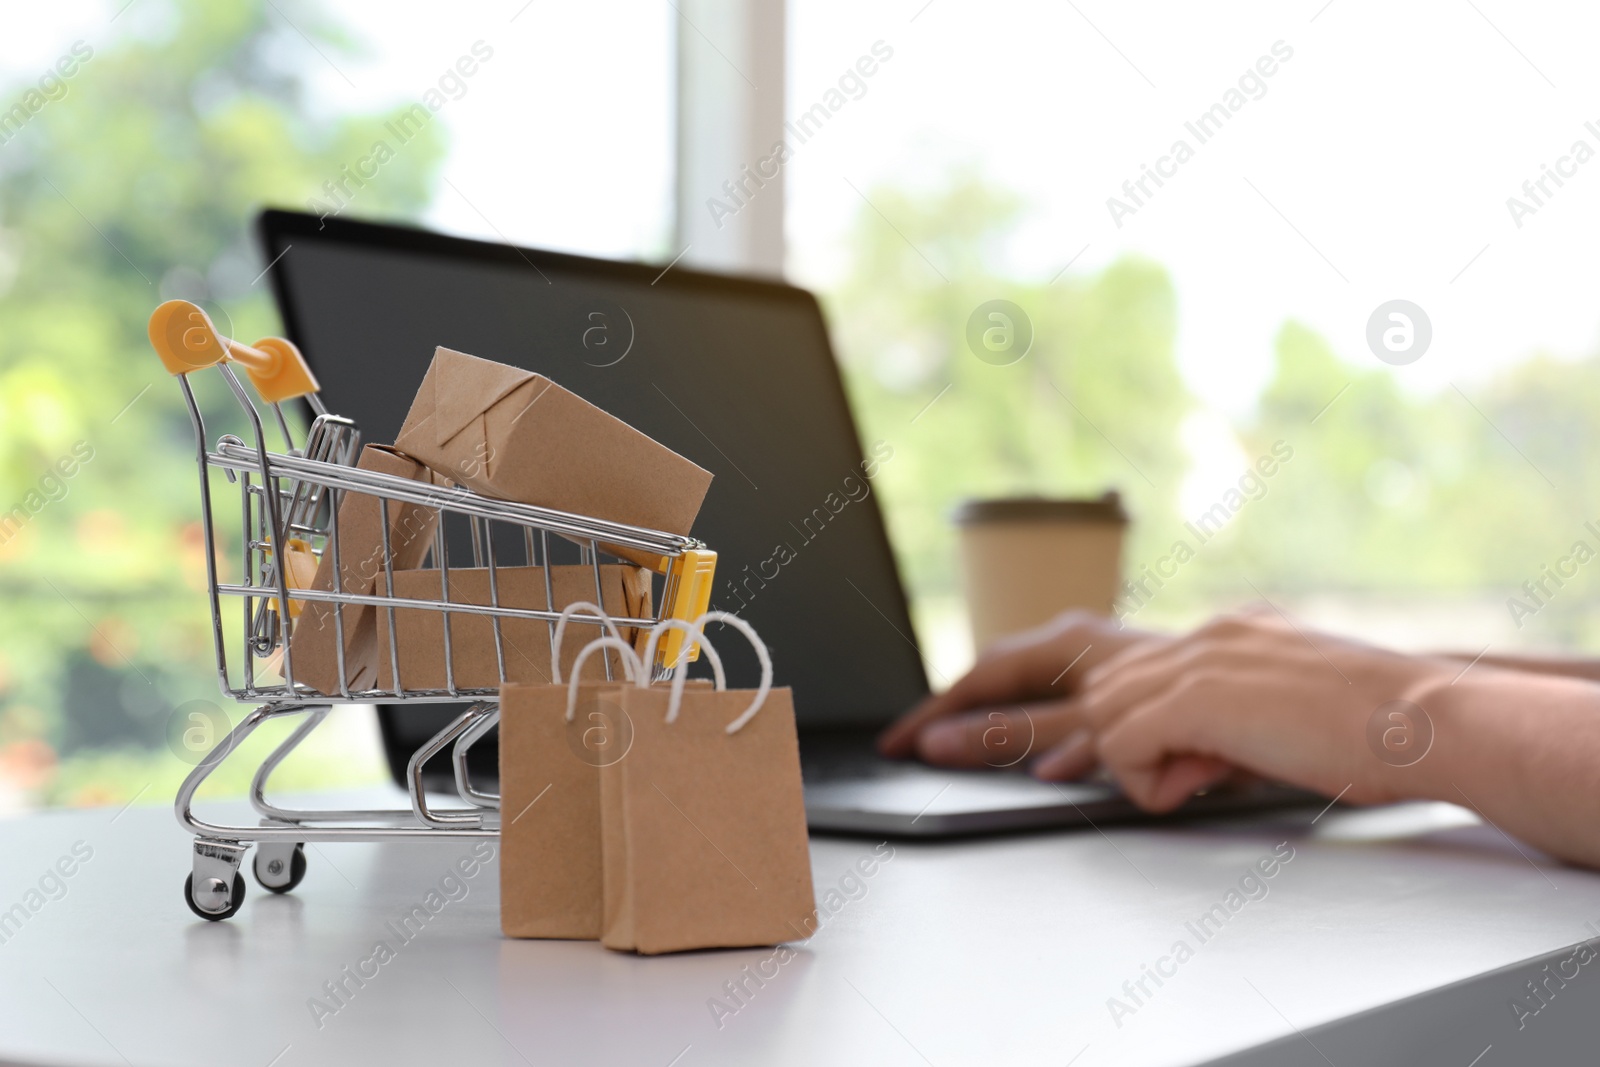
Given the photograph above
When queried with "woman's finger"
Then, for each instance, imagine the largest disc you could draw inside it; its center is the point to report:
(1068, 761)
(1136, 747)
(1162, 775)
(997, 737)
(1108, 696)
(1177, 780)
(1131, 658)
(1027, 667)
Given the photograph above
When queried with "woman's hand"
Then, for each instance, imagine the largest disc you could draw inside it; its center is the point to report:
(1169, 716)
(1258, 694)
(1255, 693)
(1021, 688)
(1520, 749)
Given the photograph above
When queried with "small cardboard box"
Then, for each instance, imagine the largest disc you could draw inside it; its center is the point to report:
(419, 633)
(515, 435)
(313, 646)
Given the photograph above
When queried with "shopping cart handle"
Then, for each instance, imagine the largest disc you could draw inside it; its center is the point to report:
(185, 339)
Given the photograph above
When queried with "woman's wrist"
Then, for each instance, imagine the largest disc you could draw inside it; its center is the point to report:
(1521, 750)
(1462, 752)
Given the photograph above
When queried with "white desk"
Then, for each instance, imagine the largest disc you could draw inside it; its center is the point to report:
(994, 952)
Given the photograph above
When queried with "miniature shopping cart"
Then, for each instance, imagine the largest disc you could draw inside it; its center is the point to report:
(289, 504)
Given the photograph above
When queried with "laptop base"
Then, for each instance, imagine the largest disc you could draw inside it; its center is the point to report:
(850, 789)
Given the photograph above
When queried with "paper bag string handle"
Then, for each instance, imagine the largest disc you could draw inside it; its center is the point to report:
(596, 611)
(659, 630)
(632, 664)
(629, 656)
(681, 674)
(762, 654)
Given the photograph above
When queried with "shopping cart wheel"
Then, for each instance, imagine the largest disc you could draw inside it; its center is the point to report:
(278, 868)
(214, 893)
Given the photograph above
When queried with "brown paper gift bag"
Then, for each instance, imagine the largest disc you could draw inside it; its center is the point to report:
(550, 870)
(314, 644)
(550, 762)
(703, 821)
(511, 434)
(419, 633)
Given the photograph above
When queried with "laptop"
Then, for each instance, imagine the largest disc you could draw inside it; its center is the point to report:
(738, 375)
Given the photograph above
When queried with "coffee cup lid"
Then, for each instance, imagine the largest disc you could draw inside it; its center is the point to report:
(1106, 508)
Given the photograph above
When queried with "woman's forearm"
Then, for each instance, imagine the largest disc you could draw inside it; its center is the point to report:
(1584, 667)
(1523, 750)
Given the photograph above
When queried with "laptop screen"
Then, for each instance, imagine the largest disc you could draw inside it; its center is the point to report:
(736, 375)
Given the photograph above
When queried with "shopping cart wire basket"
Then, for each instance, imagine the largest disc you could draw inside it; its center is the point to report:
(289, 508)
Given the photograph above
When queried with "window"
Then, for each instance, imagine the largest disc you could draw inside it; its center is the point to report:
(1206, 214)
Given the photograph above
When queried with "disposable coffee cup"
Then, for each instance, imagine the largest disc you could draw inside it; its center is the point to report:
(1027, 559)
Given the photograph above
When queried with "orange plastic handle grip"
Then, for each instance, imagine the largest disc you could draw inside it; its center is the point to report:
(185, 339)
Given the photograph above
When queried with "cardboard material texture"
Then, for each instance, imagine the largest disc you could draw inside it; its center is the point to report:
(313, 645)
(419, 632)
(550, 869)
(704, 832)
(511, 434)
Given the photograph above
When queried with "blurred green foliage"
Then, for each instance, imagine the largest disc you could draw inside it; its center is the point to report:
(1460, 495)
(139, 185)
(1475, 487)
(1096, 402)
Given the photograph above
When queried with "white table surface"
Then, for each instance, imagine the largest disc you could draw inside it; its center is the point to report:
(989, 951)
